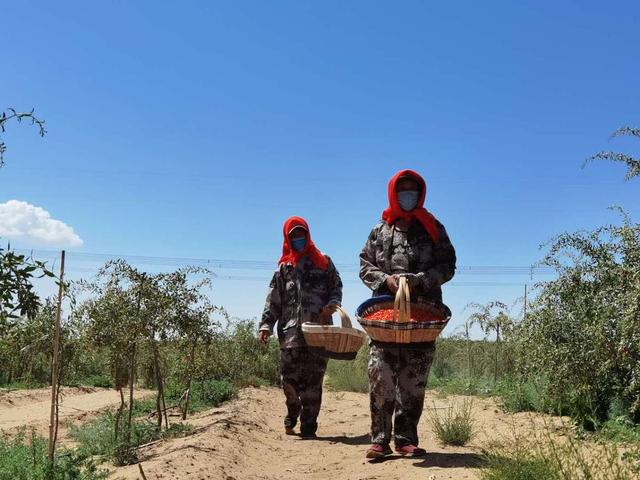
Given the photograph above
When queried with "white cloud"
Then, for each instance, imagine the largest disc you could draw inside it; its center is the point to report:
(23, 221)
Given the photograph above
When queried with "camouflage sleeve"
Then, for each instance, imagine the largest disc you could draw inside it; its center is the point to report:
(444, 261)
(370, 273)
(273, 306)
(335, 285)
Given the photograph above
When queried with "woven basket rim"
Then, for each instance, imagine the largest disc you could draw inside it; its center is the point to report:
(331, 329)
(416, 326)
(374, 304)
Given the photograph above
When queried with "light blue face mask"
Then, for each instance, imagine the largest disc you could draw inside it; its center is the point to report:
(408, 199)
(298, 244)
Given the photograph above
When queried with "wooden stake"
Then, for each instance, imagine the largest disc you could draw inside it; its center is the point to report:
(53, 420)
(132, 364)
(144, 477)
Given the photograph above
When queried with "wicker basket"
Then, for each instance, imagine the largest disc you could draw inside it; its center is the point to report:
(402, 329)
(341, 343)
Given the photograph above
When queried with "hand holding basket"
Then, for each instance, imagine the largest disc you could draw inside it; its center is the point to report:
(404, 326)
(341, 343)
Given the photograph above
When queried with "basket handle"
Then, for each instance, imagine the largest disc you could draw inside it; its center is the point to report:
(344, 317)
(402, 304)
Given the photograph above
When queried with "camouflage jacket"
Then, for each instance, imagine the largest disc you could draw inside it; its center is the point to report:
(389, 250)
(297, 295)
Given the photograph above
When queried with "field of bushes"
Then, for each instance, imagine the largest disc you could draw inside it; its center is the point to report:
(574, 351)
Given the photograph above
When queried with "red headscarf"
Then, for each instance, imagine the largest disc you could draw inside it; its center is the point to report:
(395, 213)
(289, 255)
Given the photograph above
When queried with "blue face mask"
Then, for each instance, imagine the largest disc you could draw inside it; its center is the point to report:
(408, 200)
(298, 244)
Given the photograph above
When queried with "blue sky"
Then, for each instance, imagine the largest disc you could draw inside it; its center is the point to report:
(194, 129)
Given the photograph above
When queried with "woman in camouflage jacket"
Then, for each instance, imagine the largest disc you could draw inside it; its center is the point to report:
(408, 242)
(306, 287)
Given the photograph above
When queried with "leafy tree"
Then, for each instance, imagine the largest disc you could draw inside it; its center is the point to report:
(633, 164)
(17, 295)
(491, 317)
(130, 310)
(583, 333)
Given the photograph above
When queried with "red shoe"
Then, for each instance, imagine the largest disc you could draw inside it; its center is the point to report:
(411, 451)
(378, 451)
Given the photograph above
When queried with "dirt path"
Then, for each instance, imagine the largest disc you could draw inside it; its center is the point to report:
(245, 440)
(32, 407)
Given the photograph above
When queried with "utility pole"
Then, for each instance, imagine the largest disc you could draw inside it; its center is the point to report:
(53, 420)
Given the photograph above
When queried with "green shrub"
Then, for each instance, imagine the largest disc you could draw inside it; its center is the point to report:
(349, 376)
(620, 429)
(462, 385)
(211, 393)
(24, 457)
(520, 396)
(96, 438)
(233, 354)
(582, 333)
(97, 380)
(519, 467)
(457, 426)
(204, 393)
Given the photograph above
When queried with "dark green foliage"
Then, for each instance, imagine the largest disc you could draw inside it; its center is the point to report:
(203, 394)
(100, 381)
(24, 457)
(17, 295)
(583, 333)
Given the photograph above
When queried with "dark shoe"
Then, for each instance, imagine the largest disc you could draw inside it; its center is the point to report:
(411, 451)
(290, 422)
(289, 431)
(308, 430)
(378, 451)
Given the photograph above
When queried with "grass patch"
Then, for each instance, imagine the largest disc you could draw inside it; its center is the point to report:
(349, 376)
(620, 429)
(96, 438)
(541, 455)
(456, 426)
(519, 467)
(22, 385)
(101, 381)
(24, 457)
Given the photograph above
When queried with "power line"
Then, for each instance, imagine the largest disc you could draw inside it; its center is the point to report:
(237, 264)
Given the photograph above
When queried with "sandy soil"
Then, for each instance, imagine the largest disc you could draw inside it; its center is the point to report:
(245, 440)
(31, 408)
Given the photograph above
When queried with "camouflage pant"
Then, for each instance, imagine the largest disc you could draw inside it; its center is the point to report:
(302, 374)
(397, 379)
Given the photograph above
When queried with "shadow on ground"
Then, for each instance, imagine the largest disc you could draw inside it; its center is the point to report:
(441, 460)
(364, 439)
(450, 460)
